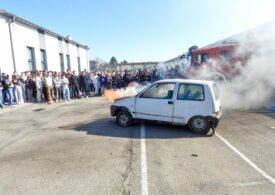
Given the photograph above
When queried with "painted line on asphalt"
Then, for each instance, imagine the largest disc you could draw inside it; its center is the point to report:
(144, 179)
(259, 170)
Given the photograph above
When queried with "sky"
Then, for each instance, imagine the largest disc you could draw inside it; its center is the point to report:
(143, 30)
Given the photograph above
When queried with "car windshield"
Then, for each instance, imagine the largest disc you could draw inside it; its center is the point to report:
(159, 91)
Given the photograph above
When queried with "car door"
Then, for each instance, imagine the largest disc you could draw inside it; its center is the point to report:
(156, 103)
(191, 101)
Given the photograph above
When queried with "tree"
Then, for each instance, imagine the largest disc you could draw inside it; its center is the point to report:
(124, 62)
(113, 61)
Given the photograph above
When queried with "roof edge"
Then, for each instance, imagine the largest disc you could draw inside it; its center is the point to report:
(28, 23)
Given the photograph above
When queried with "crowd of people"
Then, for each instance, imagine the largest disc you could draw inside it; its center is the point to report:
(50, 86)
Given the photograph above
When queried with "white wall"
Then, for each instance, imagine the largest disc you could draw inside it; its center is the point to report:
(26, 36)
(52, 53)
(6, 63)
(23, 37)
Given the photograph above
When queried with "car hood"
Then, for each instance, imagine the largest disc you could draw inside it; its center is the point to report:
(125, 101)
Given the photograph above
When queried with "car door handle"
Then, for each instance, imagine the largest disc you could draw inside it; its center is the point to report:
(170, 102)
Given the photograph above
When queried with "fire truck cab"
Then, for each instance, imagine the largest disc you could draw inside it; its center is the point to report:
(221, 61)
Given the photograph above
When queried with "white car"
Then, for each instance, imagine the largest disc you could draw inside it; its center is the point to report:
(176, 101)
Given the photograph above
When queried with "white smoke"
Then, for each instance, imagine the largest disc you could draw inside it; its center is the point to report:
(253, 86)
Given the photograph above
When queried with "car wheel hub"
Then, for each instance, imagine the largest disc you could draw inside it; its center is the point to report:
(123, 119)
(199, 123)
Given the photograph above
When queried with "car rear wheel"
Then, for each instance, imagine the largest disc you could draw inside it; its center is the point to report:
(124, 119)
(199, 125)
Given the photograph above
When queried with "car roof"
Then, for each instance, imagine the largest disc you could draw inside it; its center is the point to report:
(204, 82)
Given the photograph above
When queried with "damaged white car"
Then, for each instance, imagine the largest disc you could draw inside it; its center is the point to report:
(177, 101)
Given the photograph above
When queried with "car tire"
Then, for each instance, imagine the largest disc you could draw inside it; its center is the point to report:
(124, 119)
(199, 125)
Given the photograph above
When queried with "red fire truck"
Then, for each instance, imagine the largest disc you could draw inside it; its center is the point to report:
(218, 62)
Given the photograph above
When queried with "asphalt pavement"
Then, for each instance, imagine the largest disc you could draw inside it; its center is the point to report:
(77, 148)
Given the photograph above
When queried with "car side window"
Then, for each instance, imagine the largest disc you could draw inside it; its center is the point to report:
(192, 92)
(160, 91)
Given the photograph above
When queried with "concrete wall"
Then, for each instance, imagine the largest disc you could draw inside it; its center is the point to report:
(28, 36)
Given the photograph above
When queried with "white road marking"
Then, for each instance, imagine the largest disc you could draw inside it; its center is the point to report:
(263, 173)
(144, 179)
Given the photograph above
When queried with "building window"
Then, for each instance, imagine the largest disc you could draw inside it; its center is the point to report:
(61, 60)
(79, 65)
(68, 62)
(43, 55)
(31, 58)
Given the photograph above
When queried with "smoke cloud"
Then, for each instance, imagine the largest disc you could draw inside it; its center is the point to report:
(253, 86)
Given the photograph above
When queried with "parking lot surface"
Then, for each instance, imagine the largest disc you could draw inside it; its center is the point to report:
(77, 148)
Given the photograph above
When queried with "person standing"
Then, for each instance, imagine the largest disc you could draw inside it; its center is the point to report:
(57, 87)
(1, 89)
(125, 79)
(74, 83)
(22, 82)
(87, 84)
(71, 88)
(30, 86)
(9, 90)
(17, 90)
(39, 87)
(95, 84)
(65, 87)
(82, 84)
(49, 85)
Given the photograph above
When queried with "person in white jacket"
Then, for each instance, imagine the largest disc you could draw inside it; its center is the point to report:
(49, 85)
(65, 87)
(39, 87)
(95, 83)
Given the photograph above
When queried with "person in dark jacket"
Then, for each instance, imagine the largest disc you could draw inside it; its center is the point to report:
(74, 85)
(30, 86)
(88, 82)
(82, 85)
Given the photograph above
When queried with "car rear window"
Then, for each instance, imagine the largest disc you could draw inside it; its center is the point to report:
(193, 92)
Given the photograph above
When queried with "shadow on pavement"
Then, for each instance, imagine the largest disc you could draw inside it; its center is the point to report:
(107, 127)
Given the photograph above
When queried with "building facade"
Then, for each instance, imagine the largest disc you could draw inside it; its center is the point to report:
(27, 47)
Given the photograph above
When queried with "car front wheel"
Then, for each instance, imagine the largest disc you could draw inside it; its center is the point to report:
(199, 125)
(124, 119)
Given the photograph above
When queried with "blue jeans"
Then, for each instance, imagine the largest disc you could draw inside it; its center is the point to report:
(66, 93)
(88, 88)
(1, 99)
(71, 92)
(9, 93)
